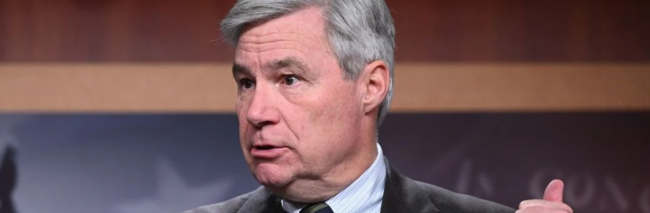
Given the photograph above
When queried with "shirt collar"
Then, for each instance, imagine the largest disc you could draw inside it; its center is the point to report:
(365, 193)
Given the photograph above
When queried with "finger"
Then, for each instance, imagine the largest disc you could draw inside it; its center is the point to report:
(541, 209)
(554, 191)
(526, 204)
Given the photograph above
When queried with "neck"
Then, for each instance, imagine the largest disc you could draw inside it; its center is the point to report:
(330, 183)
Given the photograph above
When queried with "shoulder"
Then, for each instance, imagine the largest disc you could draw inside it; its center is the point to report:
(448, 201)
(402, 194)
(229, 206)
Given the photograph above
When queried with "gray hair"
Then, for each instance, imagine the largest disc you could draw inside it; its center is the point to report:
(359, 31)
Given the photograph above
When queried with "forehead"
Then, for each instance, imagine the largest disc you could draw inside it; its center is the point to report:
(303, 29)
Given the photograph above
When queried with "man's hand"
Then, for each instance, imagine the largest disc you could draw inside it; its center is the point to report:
(552, 202)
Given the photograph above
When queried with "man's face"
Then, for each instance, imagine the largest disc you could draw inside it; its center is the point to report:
(299, 118)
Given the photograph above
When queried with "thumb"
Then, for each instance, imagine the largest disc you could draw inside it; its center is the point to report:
(554, 191)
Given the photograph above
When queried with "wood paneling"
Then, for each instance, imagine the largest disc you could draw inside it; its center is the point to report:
(522, 30)
(111, 30)
(160, 87)
(117, 87)
(428, 30)
(522, 87)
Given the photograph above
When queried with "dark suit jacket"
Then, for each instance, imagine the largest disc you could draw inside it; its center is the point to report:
(401, 195)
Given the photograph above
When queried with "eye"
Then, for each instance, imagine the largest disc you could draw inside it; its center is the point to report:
(246, 83)
(290, 80)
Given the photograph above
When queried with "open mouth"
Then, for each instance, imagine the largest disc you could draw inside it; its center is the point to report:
(264, 147)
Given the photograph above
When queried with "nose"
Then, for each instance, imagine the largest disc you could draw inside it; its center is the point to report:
(262, 108)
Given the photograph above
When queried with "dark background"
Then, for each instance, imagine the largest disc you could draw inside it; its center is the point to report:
(124, 163)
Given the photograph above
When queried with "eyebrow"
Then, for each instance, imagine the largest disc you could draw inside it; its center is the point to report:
(240, 69)
(289, 62)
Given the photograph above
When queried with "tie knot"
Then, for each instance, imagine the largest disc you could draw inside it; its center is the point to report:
(317, 208)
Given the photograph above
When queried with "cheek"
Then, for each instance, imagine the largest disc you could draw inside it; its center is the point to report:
(241, 118)
(336, 116)
(341, 106)
(243, 123)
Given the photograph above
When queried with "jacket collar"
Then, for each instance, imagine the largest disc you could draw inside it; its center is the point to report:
(261, 200)
(402, 194)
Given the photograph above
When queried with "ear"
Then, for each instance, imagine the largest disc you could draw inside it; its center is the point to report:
(375, 80)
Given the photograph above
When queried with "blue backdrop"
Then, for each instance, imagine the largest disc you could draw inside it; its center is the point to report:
(153, 163)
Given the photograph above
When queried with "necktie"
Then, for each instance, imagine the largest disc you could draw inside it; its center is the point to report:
(317, 208)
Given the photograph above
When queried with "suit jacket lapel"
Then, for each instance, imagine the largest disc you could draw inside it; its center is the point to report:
(402, 194)
(262, 201)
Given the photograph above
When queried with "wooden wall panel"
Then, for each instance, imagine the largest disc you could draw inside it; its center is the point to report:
(428, 30)
(516, 30)
(161, 87)
(111, 30)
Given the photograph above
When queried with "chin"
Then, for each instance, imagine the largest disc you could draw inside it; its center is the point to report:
(271, 176)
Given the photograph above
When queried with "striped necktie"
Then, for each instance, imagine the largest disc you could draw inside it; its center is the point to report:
(317, 208)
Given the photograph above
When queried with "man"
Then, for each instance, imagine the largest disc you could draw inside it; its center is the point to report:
(315, 81)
